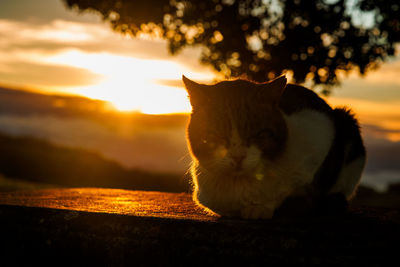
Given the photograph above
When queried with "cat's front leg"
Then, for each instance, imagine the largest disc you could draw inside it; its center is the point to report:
(256, 211)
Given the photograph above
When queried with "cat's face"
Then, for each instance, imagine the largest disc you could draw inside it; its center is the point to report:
(235, 125)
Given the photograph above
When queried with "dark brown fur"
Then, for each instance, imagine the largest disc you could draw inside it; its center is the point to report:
(253, 108)
(255, 111)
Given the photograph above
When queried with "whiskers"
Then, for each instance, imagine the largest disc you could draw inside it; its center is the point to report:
(185, 158)
(218, 166)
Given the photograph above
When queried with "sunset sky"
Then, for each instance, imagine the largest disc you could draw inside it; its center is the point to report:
(48, 48)
(56, 50)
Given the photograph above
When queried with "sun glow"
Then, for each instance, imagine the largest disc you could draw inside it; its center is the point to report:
(131, 84)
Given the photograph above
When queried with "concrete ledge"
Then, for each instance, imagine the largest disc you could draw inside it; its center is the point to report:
(115, 201)
(119, 227)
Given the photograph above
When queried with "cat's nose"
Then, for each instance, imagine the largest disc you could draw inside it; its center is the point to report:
(238, 159)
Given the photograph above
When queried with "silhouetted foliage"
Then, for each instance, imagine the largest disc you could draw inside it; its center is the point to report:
(260, 39)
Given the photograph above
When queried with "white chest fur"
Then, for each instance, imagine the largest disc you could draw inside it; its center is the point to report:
(310, 135)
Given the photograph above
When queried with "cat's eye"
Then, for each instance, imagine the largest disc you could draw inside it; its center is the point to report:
(214, 139)
(213, 136)
(264, 134)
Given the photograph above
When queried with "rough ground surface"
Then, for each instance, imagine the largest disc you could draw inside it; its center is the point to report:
(119, 227)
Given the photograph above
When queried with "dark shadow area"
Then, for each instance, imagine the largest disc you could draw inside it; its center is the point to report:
(363, 236)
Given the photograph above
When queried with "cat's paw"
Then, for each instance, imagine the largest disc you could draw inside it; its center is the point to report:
(256, 212)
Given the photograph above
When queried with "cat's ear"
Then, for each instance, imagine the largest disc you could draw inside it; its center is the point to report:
(190, 85)
(196, 91)
(275, 88)
(279, 83)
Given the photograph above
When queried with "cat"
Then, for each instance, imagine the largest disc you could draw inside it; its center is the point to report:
(256, 146)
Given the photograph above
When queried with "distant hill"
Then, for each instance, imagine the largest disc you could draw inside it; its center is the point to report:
(16, 101)
(35, 160)
(24, 103)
